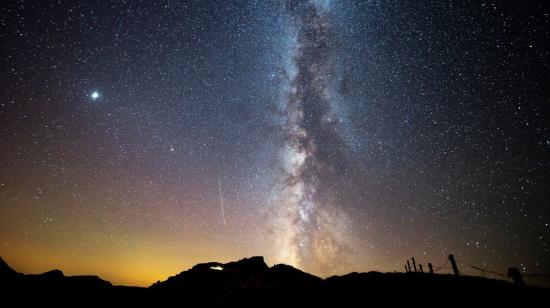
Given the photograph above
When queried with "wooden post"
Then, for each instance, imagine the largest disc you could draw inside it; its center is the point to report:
(431, 268)
(414, 264)
(453, 264)
(515, 274)
(409, 266)
(406, 269)
(421, 270)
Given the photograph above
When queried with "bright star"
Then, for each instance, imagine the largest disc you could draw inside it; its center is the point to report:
(94, 95)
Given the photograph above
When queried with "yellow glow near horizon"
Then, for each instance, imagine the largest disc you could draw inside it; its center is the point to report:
(136, 262)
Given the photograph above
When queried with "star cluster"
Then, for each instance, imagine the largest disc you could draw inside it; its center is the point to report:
(138, 139)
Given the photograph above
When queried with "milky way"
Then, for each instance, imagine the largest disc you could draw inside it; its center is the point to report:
(312, 230)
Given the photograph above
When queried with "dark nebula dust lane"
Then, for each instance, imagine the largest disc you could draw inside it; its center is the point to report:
(139, 139)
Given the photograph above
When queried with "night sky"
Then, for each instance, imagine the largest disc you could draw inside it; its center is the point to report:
(138, 138)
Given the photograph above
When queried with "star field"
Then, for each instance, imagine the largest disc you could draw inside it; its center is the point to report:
(140, 138)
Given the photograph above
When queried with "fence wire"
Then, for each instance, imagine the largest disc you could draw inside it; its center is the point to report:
(488, 271)
(442, 266)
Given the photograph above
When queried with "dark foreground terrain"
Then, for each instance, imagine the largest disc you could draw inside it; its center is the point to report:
(252, 281)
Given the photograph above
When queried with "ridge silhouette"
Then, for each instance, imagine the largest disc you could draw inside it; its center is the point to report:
(54, 279)
(249, 279)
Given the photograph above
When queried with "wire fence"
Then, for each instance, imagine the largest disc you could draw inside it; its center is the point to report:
(442, 266)
(487, 271)
(483, 271)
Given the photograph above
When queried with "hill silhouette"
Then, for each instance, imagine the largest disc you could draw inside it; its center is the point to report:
(51, 280)
(249, 279)
(246, 273)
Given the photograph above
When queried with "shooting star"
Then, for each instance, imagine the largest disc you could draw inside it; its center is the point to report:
(221, 199)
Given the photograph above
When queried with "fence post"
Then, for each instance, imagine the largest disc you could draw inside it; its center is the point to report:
(453, 264)
(409, 266)
(515, 274)
(431, 268)
(406, 269)
(414, 264)
(421, 270)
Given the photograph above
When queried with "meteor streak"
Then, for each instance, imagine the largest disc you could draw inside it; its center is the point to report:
(221, 199)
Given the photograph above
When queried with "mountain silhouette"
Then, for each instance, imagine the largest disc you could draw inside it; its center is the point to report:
(246, 273)
(247, 280)
(6, 272)
(51, 280)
